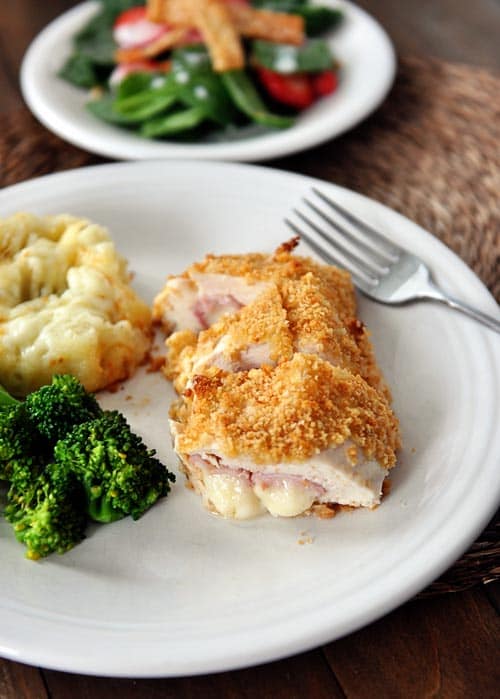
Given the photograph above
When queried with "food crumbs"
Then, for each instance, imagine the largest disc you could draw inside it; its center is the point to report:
(155, 364)
(115, 387)
(305, 538)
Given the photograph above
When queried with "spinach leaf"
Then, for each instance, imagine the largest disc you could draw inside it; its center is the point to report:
(97, 43)
(92, 59)
(79, 70)
(314, 56)
(146, 104)
(104, 109)
(193, 57)
(198, 86)
(319, 20)
(113, 8)
(248, 100)
(174, 123)
(134, 83)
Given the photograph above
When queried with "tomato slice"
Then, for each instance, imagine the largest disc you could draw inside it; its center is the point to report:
(325, 83)
(130, 16)
(294, 90)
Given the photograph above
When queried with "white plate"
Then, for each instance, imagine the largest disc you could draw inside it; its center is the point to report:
(181, 591)
(361, 45)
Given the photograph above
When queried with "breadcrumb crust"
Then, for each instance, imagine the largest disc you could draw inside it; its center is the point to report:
(287, 413)
(289, 315)
(258, 267)
(262, 322)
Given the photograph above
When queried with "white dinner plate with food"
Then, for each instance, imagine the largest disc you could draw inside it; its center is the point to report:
(182, 591)
(360, 44)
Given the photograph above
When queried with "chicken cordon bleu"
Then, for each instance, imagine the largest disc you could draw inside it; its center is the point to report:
(282, 406)
(291, 439)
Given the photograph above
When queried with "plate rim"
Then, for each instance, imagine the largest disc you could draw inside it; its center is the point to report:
(313, 638)
(261, 148)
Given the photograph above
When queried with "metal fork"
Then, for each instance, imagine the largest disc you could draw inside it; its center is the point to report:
(379, 268)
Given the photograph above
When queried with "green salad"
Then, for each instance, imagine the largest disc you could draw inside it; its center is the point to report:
(259, 63)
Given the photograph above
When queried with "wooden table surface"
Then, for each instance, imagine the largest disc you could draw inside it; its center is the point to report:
(444, 646)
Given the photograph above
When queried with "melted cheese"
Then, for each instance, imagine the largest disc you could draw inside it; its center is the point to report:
(231, 496)
(286, 498)
(240, 489)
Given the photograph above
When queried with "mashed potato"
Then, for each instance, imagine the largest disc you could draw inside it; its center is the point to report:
(66, 305)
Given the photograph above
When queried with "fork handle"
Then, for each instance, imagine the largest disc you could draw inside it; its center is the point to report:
(438, 295)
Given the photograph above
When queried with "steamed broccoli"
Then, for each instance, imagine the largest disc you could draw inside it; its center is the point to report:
(47, 510)
(29, 430)
(65, 460)
(45, 504)
(56, 408)
(120, 475)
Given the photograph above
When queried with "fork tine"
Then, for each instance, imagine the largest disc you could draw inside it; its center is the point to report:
(370, 271)
(361, 282)
(391, 248)
(379, 258)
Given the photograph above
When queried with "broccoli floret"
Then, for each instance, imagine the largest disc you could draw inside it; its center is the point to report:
(9, 444)
(23, 476)
(20, 444)
(120, 475)
(45, 504)
(65, 460)
(56, 408)
(46, 510)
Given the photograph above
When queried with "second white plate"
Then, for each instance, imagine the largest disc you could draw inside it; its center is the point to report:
(362, 46)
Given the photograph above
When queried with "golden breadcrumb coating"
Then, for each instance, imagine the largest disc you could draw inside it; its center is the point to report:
(291, 315)
(315, 324)
(261, 323)
(257, 267)
(66, 305)
(180, 346)
(286, 413)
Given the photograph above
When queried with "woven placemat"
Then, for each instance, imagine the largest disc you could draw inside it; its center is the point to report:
(431, 152)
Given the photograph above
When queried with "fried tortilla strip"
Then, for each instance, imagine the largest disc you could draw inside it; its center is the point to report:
(163, 43)
(280, 27)
(213, 19)
(156, 10)
(264, 24)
